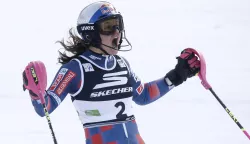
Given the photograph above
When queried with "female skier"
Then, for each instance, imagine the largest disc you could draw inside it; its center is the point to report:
(101, 83)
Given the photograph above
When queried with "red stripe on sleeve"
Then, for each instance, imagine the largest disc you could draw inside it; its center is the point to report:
(153, 91)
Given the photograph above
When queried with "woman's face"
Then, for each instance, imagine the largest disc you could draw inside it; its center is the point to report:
(112, 41)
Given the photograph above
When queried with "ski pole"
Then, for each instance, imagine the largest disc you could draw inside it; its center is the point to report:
(202, 76)
(47, 117)
(41, 96)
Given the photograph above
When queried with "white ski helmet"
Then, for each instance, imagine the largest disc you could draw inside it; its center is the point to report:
(90, 23)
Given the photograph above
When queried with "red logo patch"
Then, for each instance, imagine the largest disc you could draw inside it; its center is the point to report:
(59, 77)
(56, 82)
(68, 77)
(139, 89)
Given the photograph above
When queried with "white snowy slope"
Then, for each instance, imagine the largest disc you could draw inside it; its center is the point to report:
(158, 31)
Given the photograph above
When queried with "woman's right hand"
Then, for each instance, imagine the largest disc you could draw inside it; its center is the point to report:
(35, 79)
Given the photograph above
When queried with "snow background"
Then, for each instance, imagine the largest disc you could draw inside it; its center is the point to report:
(158, 30)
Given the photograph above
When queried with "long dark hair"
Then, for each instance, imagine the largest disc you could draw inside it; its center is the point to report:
(74, 46)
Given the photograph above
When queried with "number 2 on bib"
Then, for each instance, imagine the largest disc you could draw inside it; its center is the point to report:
(120, 114)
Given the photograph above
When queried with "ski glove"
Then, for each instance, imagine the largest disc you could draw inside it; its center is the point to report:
(188, 66)
(35, 79)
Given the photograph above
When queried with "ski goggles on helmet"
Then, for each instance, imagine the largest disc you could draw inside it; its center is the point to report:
(108, 26)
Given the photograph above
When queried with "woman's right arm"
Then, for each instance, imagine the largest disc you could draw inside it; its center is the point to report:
(66, 81)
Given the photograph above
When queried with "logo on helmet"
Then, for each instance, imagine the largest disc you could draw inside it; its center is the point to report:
(107, 8)
(89, 28)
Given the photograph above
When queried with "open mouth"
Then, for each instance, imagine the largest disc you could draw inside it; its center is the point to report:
(115, 42)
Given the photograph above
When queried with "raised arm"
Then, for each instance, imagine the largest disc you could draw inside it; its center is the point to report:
(65, 81)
